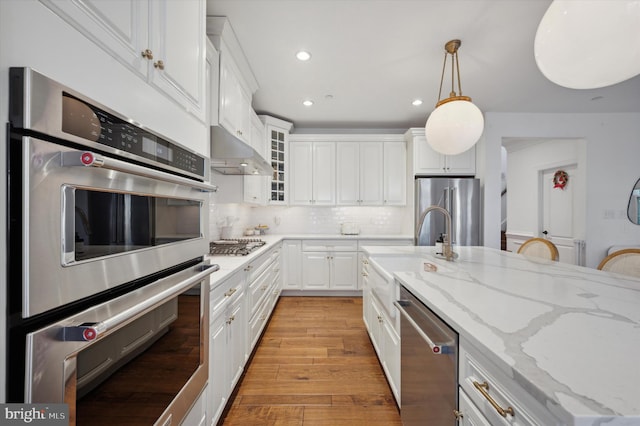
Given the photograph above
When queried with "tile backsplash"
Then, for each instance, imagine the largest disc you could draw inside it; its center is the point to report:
(310, 220)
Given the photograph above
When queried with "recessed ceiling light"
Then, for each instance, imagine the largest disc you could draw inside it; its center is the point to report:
(303, 55)
(307, 103)
(243, 164)
(417, 102)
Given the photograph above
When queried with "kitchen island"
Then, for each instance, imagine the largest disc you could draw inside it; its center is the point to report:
(566, 336)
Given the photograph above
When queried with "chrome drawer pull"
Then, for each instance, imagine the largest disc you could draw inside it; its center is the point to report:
(230, 292)
(484, 388)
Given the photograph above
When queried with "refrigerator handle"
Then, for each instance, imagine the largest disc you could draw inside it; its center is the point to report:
(453, 211)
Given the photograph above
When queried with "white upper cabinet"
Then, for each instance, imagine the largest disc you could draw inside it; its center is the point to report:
(256, 187)
(359, 178)
(395, 174)
(277, 149)
(313, 173)
(237, 83)
(370, 170)
(426, 161)
(235, 104)
(162, 41)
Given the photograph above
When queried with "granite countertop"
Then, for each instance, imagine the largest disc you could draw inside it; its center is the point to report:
(569, 334)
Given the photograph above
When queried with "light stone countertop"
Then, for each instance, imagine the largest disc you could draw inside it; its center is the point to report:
(231, 264)
(568, 334)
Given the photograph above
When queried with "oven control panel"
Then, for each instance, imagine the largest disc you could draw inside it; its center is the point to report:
(87, 121)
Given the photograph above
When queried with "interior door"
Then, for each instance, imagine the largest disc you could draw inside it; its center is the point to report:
(558, 212)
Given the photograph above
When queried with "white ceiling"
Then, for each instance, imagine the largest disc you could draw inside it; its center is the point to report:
(375, 56)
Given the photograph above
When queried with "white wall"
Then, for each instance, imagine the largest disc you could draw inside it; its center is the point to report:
(612, 152)
(525, 160)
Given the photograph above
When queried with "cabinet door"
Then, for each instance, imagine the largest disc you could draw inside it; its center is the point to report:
(395, 174)
(426, 160)
(324, 173)
(371, 173)
(178, 42)
(237, 341)
(391, 356)
(218, 360)
(120, 28)
(315, 270)
(471, 416)
(347, 173)
(292, 265)
(464, 163)
(277, 145)
(344, 270)
(230, 95)
(300, 183)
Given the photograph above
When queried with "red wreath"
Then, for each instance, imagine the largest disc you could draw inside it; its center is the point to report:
(560, 179)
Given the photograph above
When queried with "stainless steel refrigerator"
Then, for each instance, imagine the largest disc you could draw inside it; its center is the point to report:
(460, 197)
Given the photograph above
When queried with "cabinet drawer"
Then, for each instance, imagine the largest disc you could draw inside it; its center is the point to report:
(330, 245)
(257, 266)
(478, 375)
(225, 292)
(258, 289)
(257, 324)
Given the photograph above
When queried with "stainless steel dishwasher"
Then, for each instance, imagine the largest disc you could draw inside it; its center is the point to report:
(428, 365)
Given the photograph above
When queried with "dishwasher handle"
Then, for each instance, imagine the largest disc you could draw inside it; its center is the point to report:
(445, 348)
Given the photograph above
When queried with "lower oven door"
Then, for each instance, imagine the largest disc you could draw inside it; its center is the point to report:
(140, 358)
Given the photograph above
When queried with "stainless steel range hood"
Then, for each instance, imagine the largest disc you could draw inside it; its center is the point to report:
(232, 156)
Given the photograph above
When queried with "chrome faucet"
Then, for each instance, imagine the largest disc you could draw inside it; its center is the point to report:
(446, 245)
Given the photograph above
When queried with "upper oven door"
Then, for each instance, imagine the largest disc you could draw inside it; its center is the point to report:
(89, 229)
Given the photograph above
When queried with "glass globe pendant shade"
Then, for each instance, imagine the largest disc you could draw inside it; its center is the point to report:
(588, 44)
(454, 127)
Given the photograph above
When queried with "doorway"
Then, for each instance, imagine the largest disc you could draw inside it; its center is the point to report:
(534, 206)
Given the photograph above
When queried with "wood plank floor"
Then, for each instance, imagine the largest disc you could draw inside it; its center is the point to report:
(314, 366)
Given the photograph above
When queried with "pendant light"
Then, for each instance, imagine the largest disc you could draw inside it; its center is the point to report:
(456, 124)
(588, 44)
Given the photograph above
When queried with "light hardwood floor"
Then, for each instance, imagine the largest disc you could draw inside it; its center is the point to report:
(314, 366)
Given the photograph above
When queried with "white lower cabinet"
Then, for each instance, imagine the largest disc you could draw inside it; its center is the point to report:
(469, 415)
(384, 337)
(240, 308)
(227, 344)
(499, 399)
(292, 265)
(330, 265)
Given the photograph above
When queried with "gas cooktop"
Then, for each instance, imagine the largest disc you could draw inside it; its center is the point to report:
(234, 247)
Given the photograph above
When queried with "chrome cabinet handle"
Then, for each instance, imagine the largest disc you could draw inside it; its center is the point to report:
(230, 292)
(458, 415)
(90, 159)
(147, 54)
(231, 319)
(483, 388)
(159, 64)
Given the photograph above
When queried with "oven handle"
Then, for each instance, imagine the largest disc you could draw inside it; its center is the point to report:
(436, 348)
(91, 331)
(90, 159)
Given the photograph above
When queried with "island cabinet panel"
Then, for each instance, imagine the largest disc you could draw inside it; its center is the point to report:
(481, 380)
(469, 415)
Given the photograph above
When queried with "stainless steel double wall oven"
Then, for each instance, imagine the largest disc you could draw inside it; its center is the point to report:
(107, 281)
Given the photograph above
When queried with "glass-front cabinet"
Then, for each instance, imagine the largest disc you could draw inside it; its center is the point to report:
(278, 139)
